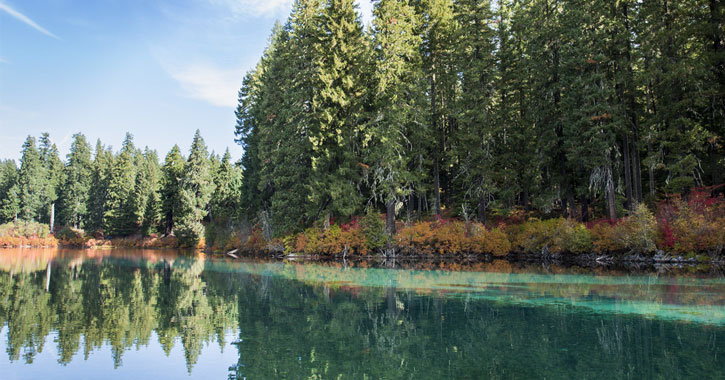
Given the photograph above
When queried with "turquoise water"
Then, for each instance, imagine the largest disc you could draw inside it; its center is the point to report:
(159, 314)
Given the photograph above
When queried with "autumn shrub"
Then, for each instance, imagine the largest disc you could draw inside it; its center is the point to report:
(482, 240)
(333, 241)
(415, 237)
(634, 234)
(534, 236)
(637, 231)
(71, 236)
(24, 229)
(572, 237)
(17, 234)
(692, 225)
(451, 237)
(692, 232)
(255, 241)
(603, 240)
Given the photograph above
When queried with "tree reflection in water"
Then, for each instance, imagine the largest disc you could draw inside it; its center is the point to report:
(332, 321)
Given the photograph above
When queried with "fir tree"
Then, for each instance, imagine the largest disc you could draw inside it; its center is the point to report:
(171, 172)
(119, 217)
(9, 191)
(398, 103)
(32, 182)
(337, 113)
(54, 172)
(100, 174)
(196, 187)
(224, 203)
(75, 191)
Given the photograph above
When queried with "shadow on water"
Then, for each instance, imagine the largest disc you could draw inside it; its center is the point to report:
(358, 320)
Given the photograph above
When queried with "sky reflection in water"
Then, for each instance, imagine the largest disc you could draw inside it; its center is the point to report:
(162, 314)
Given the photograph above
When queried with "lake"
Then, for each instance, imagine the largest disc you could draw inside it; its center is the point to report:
(120, 314)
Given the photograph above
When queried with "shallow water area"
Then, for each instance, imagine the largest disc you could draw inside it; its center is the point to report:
(170, 314)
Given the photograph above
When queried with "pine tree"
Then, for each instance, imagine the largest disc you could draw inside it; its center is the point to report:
(478, 133)
(172, 172)
(74, 193)
(9, 191)
(224, 203)
(31, 182)
(98, 194)
(54, 172)
(398, 103)
(144, 203)
(196, 187)
(337, 113)
(119, 216)
(247, 135)
(438, 30)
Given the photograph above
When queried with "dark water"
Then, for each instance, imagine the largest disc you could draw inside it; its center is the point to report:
(156, 315)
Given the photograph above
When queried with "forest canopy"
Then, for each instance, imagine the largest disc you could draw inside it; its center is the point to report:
(465, 108)
(476, 108)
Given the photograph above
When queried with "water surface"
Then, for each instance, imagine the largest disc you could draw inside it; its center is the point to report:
(162, 314)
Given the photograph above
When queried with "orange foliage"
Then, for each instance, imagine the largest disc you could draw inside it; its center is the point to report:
(451, 237)
(333, 241)
(695, 224)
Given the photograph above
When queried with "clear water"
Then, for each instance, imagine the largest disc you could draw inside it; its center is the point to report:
(120, 314)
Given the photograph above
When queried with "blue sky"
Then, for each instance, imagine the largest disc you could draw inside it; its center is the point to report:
(159, 69)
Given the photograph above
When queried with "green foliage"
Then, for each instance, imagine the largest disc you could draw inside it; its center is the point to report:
(553, 236)
(225, 201)
(54, 175)
(373, 228)
(75, 191)
(101, 175)
(638, 230)
(195, 190)
(119, 215)
(9, 191)
(32, 182)
(172, 172)
(24, 229)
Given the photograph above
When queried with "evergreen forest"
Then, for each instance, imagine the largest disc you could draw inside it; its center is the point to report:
(471, 109)
(576, 108)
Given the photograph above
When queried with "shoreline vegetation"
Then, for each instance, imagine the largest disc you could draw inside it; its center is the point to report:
(524, 130)
(685, 232)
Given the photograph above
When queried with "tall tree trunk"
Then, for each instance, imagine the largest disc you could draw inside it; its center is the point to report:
(481, 209)
(390, 216)
(627, 173)
(52, 216)
(632, 110)
(436, 164)
(636, 165)
(611, 208)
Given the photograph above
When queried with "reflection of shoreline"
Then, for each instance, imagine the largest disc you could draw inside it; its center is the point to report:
(28, 260)
(691, 298)
(671, 298)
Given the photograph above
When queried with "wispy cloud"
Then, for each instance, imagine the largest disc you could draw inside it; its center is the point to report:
(254, 7)
(2, 60)
(276, 7)
(26, 20)
(214, 85)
